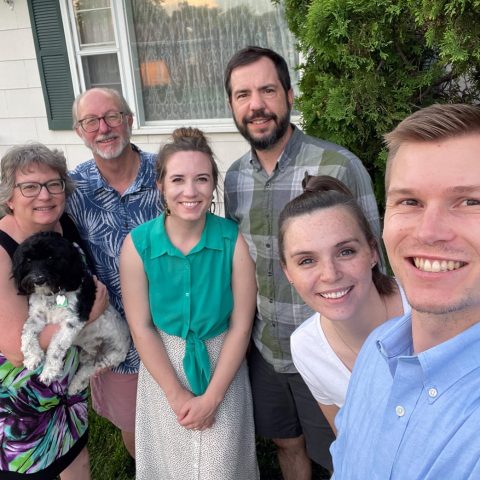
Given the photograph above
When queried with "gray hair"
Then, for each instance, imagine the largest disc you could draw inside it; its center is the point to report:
(21, 158)
(122, 103)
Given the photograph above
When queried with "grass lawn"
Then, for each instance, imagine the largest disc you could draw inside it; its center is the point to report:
(110, 461)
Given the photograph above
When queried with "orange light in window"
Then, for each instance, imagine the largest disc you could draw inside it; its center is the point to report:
(155, 73)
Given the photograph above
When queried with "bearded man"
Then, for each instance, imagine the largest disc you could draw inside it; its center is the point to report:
(257, 187)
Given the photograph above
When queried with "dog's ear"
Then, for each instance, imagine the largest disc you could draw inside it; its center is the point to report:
(18, 268)
(15, 275)
(86, 297)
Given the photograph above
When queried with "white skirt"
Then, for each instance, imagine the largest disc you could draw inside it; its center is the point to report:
(167, 451)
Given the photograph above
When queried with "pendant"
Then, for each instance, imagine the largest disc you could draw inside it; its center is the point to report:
(61, 301)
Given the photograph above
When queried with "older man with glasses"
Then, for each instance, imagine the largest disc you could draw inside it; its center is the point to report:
(116, 191)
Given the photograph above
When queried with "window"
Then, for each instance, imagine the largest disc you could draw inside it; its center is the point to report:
(95, 44)
(168, 56)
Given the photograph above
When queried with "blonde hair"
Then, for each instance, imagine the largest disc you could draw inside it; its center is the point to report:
(436, 122)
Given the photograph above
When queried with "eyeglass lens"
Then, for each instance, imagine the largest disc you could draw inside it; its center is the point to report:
(32, 189)
(93, 124)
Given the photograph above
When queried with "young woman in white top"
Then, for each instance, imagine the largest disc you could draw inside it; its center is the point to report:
(330, 255)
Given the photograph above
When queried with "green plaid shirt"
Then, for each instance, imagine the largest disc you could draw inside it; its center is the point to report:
(254, 200)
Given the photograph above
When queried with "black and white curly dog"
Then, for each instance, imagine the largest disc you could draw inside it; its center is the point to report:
(50, 269)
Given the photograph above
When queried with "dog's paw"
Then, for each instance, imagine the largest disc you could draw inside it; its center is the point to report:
(31, 362)
(77, 386)
(48, 376)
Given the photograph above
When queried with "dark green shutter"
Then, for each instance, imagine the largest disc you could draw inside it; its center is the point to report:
(52, 61)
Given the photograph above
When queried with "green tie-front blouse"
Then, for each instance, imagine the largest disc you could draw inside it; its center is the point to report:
(190, 295)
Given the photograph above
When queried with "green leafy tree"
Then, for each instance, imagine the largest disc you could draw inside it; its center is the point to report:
(369, 63)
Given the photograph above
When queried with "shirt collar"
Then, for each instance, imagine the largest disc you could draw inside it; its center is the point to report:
(442, 365)
(212, 238)
(286, 155)
(396, 341)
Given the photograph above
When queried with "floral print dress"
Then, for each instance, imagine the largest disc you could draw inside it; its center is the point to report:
(42, 428)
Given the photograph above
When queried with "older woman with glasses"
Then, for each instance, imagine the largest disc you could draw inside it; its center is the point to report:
(43, 430)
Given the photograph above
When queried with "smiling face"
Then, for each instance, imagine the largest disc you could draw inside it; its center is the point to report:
(260, 106)
(43, 211)
(188, 185)
(107, 142)
(329, 261)
(432, 224)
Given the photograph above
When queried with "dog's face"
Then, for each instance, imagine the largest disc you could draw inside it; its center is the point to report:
(47, 261)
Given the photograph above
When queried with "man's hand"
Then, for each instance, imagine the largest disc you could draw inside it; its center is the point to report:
(101, 300)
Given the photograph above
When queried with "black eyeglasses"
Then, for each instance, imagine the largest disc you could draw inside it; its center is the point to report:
(92, 124)
(33, 189)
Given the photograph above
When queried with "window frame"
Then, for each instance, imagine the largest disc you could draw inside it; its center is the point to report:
(130, 72)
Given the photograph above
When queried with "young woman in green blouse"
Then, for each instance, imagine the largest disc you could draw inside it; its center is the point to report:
(189, 292)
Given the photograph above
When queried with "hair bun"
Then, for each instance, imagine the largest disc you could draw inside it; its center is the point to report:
(180, 134)
(185, 139)
(324, 183)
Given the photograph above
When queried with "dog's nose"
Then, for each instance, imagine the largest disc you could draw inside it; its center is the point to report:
(36, 278)
(40, 279)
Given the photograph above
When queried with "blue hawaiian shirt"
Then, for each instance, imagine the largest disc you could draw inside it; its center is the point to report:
(104, 218)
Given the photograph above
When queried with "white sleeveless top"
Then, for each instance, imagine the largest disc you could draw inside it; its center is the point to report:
(324, 373)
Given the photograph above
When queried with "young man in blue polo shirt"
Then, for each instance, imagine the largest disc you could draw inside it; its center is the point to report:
(413, 405)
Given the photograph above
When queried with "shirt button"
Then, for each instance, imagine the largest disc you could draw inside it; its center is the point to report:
(187, 294)
(267, 245)
(432, 392)
(399, 410)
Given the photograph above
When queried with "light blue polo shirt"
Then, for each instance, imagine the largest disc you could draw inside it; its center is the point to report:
(411, 417)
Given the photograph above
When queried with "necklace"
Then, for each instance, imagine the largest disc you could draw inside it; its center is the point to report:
(337, 332)
(355, 353)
